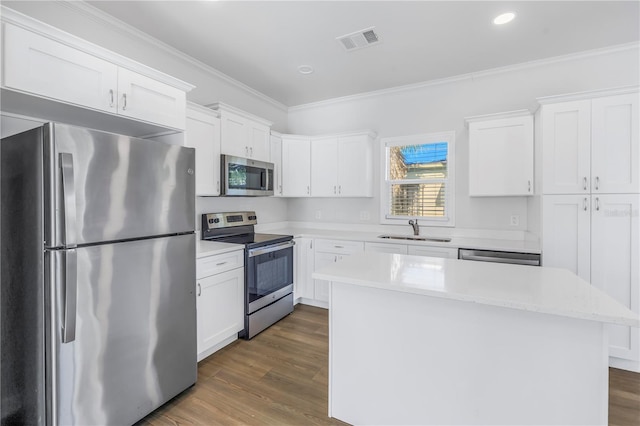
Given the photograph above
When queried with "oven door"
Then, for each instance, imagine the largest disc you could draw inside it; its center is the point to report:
(269, 272)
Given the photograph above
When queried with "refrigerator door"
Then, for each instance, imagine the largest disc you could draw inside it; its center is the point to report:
(107, 187)
(132, 338)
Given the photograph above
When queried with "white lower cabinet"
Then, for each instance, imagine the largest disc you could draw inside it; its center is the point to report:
(219, 301)
(597, 237)
(444, 252)
(386, 248)
(303, 268)
(325, 253)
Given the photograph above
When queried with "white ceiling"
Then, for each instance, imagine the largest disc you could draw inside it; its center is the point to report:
(262, 43)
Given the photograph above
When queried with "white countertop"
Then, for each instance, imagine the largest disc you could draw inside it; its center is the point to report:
(536, 289)
(211, 248)
(521, 246)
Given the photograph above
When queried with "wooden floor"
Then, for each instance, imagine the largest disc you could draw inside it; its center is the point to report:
(280, 378)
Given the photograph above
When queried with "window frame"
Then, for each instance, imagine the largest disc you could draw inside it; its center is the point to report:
(385, 184)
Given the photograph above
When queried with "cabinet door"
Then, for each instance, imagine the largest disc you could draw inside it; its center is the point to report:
(324, 167)
(501, 157)
(234, 132)
(615, 159)
(259, 141)
(566, 233)
(355, 166)
(303, 267)
(220, 309)
(203, 134)
(144, 98)
(276, 159)
(444, 252)
(385, 248)
(296, 165)
(615, 263)
(321, 287)
(38, 65)
(566, 144)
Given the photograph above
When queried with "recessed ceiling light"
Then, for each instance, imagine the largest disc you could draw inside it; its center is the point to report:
(305, 69)
(504, 18)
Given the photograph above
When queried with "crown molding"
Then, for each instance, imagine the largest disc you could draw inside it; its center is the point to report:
(470, 76)
(99, 16)
(222, 107)
(587, 95)
(498, 116)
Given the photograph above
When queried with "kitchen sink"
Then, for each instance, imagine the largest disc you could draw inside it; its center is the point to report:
(415, 238)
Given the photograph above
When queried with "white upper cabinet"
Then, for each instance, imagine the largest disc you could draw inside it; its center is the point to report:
(144, 98)
(355, 165)
(501, 154)
(324, 167)
(342, 165)
(76, 73)
(42, 66)
(276, 159)
(615, 151)
(203, 134)
(296, 166)
(591, 145)
(243, 134)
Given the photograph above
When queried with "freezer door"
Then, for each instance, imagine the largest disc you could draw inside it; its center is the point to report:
(133, 343)
(106, 187)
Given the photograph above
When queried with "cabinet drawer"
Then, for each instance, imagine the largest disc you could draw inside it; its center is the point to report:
(216, 264)
(339, 246)
(444, 252)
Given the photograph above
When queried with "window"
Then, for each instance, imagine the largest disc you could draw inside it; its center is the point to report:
(418, 179)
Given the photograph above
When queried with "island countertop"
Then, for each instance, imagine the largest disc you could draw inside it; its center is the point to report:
(536, 289)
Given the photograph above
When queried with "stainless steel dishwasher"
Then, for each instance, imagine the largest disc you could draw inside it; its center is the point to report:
(532, 259)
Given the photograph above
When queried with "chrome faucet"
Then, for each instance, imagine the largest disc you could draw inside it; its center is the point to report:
(416, 228)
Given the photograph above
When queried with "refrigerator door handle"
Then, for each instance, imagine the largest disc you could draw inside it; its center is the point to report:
(70, 295)
(69, 200)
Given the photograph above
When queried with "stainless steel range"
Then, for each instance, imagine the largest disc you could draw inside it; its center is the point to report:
(268, 270)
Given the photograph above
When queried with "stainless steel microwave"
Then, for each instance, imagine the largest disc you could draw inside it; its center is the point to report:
(246, 177)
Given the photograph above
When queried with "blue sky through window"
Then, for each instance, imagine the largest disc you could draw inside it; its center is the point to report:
(424, 154)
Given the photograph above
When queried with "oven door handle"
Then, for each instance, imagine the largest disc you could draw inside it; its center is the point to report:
(268, 249)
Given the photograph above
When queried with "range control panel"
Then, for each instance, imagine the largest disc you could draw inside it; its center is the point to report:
(227, 220)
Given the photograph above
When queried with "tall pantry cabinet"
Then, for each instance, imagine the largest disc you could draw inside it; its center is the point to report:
(591, 200)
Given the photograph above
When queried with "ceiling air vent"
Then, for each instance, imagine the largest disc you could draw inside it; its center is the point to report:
(359, 39)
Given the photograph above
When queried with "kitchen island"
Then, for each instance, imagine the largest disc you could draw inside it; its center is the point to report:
(419, 340)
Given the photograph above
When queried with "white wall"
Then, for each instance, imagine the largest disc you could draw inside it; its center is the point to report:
(442, 106)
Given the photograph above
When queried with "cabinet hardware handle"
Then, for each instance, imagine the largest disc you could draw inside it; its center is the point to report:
(335, 258)
(339, 189)
(111, 97)
(221, 263)
(124, 101)
(584, 183)
(584, 204)
(597, 183)
(339, 246)
(311, 244)
(280, 189)
(246, 151)
(308, 189)
(199, 290)
(250, 151)
(597, 204)
(528, 186)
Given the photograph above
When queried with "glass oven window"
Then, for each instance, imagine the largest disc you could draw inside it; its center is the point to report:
(273, 271)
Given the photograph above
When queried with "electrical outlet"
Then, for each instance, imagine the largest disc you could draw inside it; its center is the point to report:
(364, 215)
(515, 220)
(318, 214)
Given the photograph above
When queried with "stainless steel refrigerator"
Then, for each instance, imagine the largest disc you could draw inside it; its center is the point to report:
(98, 321)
